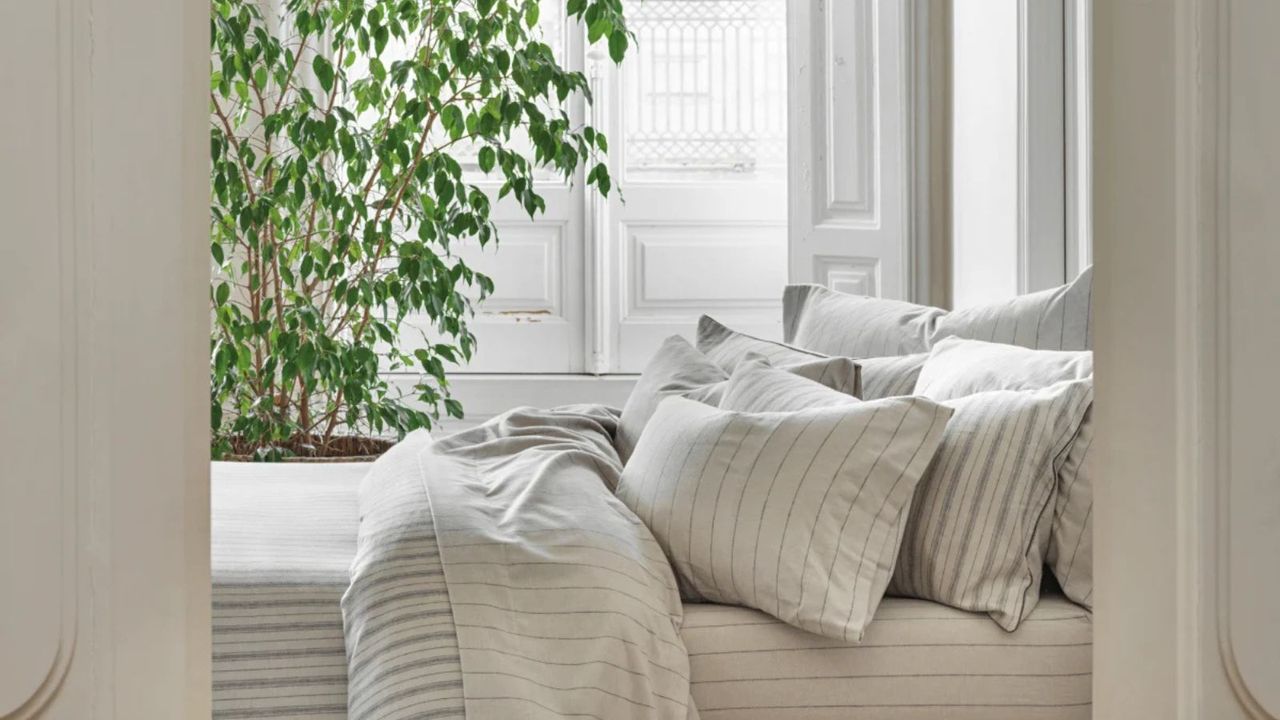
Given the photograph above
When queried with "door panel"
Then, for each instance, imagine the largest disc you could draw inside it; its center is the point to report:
(696, 119)
(849, 139)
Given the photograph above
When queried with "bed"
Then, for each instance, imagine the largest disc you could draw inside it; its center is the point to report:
(284, 537)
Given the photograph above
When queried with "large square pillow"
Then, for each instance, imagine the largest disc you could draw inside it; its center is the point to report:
(791, 513)
(980, 523)
(833, 323)
(958, 368)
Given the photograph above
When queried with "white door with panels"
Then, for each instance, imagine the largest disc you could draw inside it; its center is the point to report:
(850, 140)
(697, 126)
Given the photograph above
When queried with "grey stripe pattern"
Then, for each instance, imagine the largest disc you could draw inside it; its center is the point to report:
(917, 661)
(528, 589)
(1054, 319)
(890, 376)
(794, 514)
(833, 323)
(962, 367)
(282, 541)
(979, 525)
(402, 644)
(756, 386)
(675, 369)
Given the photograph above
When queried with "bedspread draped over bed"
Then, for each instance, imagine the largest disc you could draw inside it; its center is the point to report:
(497, 576)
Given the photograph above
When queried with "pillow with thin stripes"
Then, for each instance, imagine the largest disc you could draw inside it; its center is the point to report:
(757, 386)
(821, 320)
(979, 526)
(675, 369)
(891, 375)
(792, 513)
(727, 347)
(834, 323)
(1054, 319)
(962, 367)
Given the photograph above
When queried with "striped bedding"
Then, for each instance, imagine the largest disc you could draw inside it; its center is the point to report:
(284, 538)
(918, 661)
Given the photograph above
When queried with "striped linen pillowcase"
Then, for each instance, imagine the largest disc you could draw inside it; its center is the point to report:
(1054, 319)
(980, 523)
(963, 367)
(826, 321)
(675, 369)
(821, 320)
(727, 347)
(679, 369)
(794, 514)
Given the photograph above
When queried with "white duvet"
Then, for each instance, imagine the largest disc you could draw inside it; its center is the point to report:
(497, 576)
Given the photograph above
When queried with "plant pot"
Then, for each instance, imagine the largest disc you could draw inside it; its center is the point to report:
(361, 449)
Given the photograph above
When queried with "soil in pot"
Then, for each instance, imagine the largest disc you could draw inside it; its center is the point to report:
(339, 448)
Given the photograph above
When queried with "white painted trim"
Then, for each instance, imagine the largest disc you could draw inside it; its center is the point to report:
(1041, 175)
(1078, 54)
(918, 87)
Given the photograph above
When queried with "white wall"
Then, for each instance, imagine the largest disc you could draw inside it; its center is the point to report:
(1187, 328)
(104, 513)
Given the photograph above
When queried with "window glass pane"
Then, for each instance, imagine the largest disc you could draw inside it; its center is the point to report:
(704, 90)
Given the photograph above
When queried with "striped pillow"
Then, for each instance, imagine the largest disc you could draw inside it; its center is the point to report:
(1055, 319)
(830, 322)
(794, 514)
(962, 367)
(675, 369)
(826, 321)
(890, 376)
(980, 522)
(756, 386)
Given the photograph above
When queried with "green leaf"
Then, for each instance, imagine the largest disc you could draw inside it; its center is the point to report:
(531, 12)
(222, 294)
(617, 45)
(486, 158)
(324, 72)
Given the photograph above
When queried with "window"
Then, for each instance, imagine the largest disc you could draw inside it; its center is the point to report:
(696, 118)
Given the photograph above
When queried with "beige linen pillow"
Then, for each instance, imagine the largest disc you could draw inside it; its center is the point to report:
(794, 514)
(963, 367)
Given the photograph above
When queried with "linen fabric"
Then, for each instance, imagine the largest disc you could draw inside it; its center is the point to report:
(675, 369)
(727, 347)
(795, 514)
(980, 523)
(501, 548)
(833, 323)
(918, 661)
(962, 367)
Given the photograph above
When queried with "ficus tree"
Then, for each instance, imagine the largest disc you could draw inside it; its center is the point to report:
(339, 134)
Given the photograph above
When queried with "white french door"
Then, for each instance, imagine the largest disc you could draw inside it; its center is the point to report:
(696, 117)
(852, 66)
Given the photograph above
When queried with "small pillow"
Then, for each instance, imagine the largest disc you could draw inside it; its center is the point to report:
(890, 376)
(1055, 319)
(830, 322)
(727, 348)
(790, 513)
(962, 367)
(757, 386)
(979, 525)
(675, 369)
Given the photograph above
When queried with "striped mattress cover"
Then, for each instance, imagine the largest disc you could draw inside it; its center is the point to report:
(284, 537)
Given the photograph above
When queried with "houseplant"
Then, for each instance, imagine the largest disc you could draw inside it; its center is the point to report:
(339, 136)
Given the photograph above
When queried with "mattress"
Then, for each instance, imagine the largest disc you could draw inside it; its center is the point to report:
(918, 661)
(284, 537)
